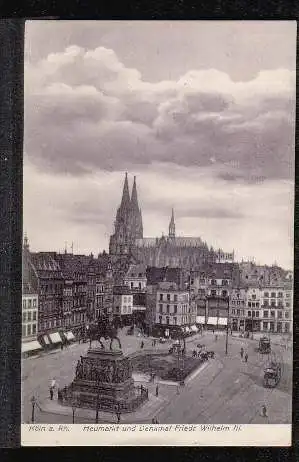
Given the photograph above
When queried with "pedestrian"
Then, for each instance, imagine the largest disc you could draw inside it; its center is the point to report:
(157, 390)
(242, 353)
(51, 393)
(246, 357)
(142, 344)
(61, 346)
(153, 420)
(216, 338)
(118, 416)
(178, 390)
(213, 331)
(264, 411)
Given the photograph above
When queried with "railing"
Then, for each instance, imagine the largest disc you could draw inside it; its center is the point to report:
(67, 397)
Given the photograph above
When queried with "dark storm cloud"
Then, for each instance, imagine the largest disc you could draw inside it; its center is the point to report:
(86, 111)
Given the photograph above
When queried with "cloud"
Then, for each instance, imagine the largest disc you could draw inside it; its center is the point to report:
(86, 111)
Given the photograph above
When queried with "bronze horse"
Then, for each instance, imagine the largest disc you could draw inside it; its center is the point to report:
(103, 329)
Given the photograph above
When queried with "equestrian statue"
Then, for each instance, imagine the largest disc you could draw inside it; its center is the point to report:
(104, 329)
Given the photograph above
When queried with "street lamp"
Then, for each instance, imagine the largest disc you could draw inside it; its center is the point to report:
(33, 402)
(227, 327)
(74, 406)
(98, 397)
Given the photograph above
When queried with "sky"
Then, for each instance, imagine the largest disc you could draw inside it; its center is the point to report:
(202, 112)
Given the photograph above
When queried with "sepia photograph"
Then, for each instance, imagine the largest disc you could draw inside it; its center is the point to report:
(158, 183)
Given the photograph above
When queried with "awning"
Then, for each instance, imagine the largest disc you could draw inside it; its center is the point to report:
(222, 321)
(55, 337)
(212, 321)
(187, 329)
(31, 346)
(193, 329)
(46, 340)
(69, 336)
(200, 319)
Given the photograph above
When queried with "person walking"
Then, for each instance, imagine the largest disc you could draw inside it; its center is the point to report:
(157, 390)
(142, 344)
(246, 358)
(51, 393)
(118, 415)
(264, 411)
(242, 353)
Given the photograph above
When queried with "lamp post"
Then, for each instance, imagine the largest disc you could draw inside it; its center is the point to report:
(74, 406)
(98, 396)
(33, 402)
(227, 327)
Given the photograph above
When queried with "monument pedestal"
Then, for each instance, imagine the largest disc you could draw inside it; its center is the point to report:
(104, 381)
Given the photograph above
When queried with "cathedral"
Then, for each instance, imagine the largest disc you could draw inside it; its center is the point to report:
(170, 250)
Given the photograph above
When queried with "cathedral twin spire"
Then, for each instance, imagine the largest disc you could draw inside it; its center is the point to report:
(128, 224)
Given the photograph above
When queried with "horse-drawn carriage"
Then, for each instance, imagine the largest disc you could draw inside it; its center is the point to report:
(272, 375)
(264, 345)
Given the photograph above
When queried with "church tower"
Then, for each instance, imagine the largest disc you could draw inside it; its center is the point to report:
(137, 226)
(171, 233)
(128, 223)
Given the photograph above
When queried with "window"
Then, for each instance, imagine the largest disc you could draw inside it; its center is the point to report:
(125, 309)
(132, 285)
(29, 329)
(249, 313)
(175, 309)
(24, 317)
(34, 316)
(125, 299)
(224, 293)
(257, 314)
(160, 319)
(175, 298)
(139, 285)
(272, 313)
(265, 326)
(168, 297)
(224, 282)
(257, 304)
(253, 297)
(29, 315)
(238, 302)
(249, 304)
(24, 303)
(213, 282)
(29, 303)
(167, 319)
(280, 303)
(161, 296)
(287, 304)
(273, 294)
(266, 303)
(23, 331)
(233, 311)
(280, 294)
(288, 295)
(174, 320)
(238, 312)
(266, 294)
(167, 309)
(279, 314)
(213, 293)
(161, 308)
(286, 314)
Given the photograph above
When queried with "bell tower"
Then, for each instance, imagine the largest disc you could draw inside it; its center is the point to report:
(171, 232)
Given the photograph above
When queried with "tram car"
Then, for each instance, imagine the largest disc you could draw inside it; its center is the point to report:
(264, 345)
(272, 375)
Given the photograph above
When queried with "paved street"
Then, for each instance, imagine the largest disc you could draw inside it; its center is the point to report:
(226, 390)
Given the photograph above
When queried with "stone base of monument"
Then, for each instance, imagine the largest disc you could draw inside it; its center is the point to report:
(103, 381)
